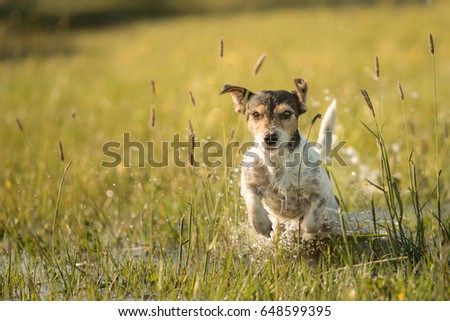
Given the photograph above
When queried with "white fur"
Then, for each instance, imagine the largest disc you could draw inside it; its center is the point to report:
(324, 140)
(286, 186)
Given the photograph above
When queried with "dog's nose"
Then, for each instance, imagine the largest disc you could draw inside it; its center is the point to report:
(271, 139)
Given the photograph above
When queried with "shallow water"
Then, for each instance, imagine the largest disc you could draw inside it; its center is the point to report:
(363, 238)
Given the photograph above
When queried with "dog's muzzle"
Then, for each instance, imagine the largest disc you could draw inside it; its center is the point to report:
(271, 140)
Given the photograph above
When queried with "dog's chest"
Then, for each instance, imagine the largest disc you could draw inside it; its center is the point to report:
(289, 203)
(281, 193)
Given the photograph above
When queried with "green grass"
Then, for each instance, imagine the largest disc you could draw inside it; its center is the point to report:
(88, 232)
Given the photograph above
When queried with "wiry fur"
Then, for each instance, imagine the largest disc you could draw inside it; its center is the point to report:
(281, 174)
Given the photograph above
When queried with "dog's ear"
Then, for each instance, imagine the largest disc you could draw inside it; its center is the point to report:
(240, 96)
(301, 88)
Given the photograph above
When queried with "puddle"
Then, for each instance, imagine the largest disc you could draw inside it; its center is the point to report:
(359, 228)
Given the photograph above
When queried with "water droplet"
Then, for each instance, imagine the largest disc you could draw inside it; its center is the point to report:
(395, 148)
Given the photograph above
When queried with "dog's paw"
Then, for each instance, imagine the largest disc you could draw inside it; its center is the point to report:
(264, 227)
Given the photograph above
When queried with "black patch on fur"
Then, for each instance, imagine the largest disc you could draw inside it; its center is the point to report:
(295, 141)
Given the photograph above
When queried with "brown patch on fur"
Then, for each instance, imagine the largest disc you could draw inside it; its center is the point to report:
(286, 118)
(261, 120)
(258, 119)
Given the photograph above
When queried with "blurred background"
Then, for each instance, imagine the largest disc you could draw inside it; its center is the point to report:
(84, 72)
(86, 13)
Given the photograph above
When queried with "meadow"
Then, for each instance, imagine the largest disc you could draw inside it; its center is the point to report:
(72, 229)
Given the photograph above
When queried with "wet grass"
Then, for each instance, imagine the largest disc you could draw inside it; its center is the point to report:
(72, 229)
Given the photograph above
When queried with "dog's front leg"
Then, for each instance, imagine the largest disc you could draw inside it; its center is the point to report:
(311, 220)
(257, 215)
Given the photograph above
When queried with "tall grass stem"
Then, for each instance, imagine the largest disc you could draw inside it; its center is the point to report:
(436, 124)
(58, 200)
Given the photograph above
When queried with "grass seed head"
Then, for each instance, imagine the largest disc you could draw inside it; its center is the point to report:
(61, 151)
(259, 63)
(221, 48)
(153, 117)
(368, 101)
(400, 91)
(19, 124)
(153, 87)
(377, 67)
(192, 98)
(315, 118)
(431, 43)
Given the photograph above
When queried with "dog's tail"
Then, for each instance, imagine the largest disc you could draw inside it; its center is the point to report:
(325, 140)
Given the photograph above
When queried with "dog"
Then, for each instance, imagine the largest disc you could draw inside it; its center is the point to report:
(282, 176)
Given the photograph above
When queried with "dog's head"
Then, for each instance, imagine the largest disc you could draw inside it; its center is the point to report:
(272, 115)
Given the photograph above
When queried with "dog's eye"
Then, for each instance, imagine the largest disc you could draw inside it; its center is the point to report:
(256, 115)
(286, 115)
